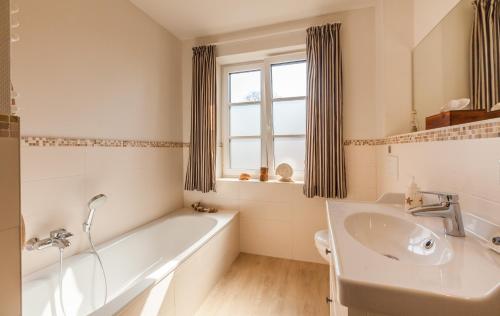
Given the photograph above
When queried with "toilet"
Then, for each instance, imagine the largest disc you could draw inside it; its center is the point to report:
(322, 242)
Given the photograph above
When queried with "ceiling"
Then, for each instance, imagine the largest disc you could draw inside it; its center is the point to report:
(188, 19)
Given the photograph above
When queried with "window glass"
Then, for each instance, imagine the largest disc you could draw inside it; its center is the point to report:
(245, 153)
(245, 120)
(244, 86)
(289, 117)
(291, 150)
(289, 79)
(247, 108)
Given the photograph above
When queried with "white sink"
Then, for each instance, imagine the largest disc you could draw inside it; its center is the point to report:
(392, 263)
(398, 239)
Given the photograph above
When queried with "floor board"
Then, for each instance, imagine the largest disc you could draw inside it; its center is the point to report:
(264, 286)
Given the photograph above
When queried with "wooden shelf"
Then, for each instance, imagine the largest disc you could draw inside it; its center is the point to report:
(450, 118)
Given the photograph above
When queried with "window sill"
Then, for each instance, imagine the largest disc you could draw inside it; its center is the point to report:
(273, 181)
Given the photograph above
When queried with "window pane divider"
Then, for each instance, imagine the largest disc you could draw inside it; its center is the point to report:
(244, 137)
(290, 136)
(289, 99)
(245, 103)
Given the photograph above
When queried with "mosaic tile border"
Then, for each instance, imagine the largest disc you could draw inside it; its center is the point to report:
(476, 130)
(41, 141)
(9, 126)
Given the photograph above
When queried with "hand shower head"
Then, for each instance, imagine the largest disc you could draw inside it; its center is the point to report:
(97, 201)
(93, 204)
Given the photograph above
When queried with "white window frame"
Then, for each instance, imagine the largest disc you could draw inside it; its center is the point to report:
(267, 134)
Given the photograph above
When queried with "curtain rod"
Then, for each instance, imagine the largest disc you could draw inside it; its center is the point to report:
(256, 37)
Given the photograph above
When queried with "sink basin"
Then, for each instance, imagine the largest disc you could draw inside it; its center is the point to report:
(398, 239)
(387, 262)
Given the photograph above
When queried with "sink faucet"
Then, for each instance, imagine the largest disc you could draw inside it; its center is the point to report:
(448, 208)
(58, 238)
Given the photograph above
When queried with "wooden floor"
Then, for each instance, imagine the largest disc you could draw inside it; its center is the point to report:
(261, 286)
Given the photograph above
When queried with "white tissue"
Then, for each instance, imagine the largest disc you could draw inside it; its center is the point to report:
(455, 105)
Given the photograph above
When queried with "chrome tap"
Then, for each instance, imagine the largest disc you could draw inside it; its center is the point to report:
(58, 238)
(448, 209)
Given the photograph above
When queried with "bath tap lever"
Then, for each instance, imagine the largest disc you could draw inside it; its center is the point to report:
(448, 209)
(58, 238)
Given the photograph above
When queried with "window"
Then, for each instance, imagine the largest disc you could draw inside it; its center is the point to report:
(264, 115)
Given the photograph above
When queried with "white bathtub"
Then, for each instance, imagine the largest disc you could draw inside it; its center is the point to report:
(135, 263)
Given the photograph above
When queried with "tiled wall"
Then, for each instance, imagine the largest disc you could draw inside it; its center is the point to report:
(277, 219)
(470, 168)
(108, 79)
(141, 184)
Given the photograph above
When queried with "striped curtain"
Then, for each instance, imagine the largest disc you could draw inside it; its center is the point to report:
(485, 55)
(325, 174)
(200, 175)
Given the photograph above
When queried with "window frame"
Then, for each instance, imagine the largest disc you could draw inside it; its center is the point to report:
(266, 113)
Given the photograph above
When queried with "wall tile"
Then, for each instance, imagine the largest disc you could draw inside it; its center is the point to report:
(48, 205)
(308, 219)
(270, 191)
(266, 237)
(142, 184)
(276, 218)
(467, 167)
(39, 163)
(266, 210)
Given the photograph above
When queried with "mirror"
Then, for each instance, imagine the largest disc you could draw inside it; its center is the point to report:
(442, 70)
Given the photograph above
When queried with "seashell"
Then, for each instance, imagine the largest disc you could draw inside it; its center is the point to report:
(245, 177)
(285, 171)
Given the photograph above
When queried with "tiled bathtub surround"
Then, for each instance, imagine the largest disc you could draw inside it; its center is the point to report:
(141, 183)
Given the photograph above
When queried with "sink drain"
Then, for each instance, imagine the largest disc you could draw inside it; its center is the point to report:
(391, 257)
(428, 244)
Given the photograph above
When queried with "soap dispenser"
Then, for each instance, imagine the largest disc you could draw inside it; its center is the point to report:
(413, 197)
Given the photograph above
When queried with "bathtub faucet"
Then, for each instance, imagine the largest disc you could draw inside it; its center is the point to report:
(58, 238)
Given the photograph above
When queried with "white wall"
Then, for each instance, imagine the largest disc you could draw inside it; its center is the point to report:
(428, 13)
(359, 57)
(96, 69)
(103, 69)
(394, 41)
(276, 218)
